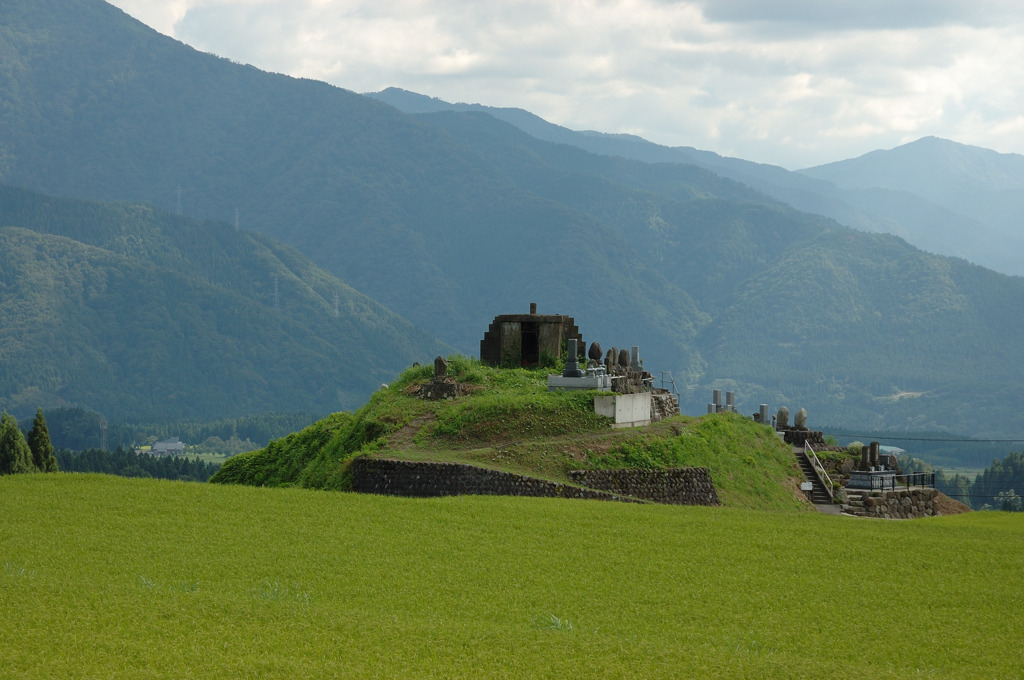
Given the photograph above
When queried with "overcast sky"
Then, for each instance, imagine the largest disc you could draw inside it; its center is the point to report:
(790, 82)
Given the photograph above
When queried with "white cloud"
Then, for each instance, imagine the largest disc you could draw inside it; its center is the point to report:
(795, 82)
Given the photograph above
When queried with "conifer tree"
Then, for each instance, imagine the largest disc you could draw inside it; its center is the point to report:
(40, 445)
(15, 456)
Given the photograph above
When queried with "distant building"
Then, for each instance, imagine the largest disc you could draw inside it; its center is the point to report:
(523, 339)
(168, 447)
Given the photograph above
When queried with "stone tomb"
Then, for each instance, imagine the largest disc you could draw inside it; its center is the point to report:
(525, 339)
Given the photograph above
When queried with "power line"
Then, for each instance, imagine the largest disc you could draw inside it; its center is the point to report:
(923, 439)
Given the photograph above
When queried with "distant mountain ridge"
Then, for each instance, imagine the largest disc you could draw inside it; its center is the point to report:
(978, 183)
(933, 215)
(449, 218)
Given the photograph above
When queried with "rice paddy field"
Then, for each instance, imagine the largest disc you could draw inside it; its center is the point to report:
(104, 577)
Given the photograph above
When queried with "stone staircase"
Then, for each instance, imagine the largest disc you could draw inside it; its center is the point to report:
(818, 494)
(664, 404)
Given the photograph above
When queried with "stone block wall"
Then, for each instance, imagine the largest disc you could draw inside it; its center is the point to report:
(901, 504)
(794, 437)
(675, 486)
(664, 404)
(420, 478)
(679, 486)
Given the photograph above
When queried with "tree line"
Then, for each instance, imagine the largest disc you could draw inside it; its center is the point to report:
(1000, 486)
(127, 463)
(23, 454)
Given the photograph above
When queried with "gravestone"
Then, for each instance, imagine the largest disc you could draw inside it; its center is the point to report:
(800, 419)
(782, 419)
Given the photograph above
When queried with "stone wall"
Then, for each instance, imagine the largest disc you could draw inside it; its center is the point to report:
(794, 437)
(420, 478)
(679, 486)
(901, 504)
(676, 486)
(664, 404)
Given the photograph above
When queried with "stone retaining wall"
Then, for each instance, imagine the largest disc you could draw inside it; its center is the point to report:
(419, 478)
(676, 486)
(902, 504)
(679, 486)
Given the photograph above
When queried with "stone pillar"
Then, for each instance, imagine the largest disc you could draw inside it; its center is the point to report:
(716, 397)
(763, 410)
(865, 458)
(533, 308)
(874, 454)
(572, 361)
(730, 402)
(634, 357)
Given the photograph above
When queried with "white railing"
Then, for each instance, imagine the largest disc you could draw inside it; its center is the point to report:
(826, 480)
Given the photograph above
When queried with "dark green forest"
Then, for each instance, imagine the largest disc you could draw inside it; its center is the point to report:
(1000, 486)
(77, 429)
(126, 463)
(447, 219)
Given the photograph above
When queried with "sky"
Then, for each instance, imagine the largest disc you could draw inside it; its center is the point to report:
(794, 83)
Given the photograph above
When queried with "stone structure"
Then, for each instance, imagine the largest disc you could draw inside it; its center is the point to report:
(798, 434)
(675, 486)
(899, 504)
(800, 420)
(678, 486)
(716, 405)
(523, 339)
(664, 404)
(440, 386)
(420, 478)
(782, 419)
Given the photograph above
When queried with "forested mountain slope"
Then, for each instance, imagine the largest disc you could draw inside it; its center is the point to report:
(452, 218)
(138, 314)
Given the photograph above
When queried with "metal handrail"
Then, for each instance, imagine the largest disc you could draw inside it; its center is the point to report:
(820, 469)
(671, 381)
(923, 479)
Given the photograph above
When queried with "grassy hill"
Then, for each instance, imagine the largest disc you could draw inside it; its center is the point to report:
(120, 578)
(137, 314)
(510, 422)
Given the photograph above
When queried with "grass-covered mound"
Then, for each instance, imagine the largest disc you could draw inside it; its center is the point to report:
(509, 421)
(120, 578)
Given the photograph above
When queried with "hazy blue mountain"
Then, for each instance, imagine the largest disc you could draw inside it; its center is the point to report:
(138, 314)
(960, 213)
(451, 217)
(981, 184)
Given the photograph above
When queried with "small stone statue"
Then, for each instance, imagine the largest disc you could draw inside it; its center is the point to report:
(440, 369)
(800, 419)
(782, 421)
(595, 352)
(624, 358)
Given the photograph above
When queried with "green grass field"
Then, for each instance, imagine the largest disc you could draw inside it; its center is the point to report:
(122, 578)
